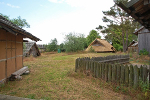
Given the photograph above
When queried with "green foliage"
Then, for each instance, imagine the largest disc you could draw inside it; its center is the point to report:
(74, 42)
(61, 47)
(17, 21)
(118, 47)
(91, 49)
(31, 96)
(143, 52)
(144, 85)
(92, 36)
(52, 46)
(24, 46)
(120, 27)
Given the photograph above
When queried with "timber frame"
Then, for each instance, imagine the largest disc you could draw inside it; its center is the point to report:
(138, 9)
(11, 47)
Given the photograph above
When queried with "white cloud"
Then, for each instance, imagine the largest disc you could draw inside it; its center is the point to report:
(87, 17)
(56, 1)
(2, 3)
(12, 6)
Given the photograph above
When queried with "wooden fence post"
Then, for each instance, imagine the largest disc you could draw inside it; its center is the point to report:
(103, 71)
(145, 74)
(118, 73)
(136, 76)
(98, 70)
(141, 73)
(122, 79)
(131, 76)
(114, 71)
(76, 65)
(109, 72)
(126, 75)
(106, 72)
(100, 74)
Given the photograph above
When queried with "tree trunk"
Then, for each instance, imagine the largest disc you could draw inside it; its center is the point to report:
(123, 42)
(126, 45)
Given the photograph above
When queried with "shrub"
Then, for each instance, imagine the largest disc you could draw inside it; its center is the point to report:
(143, 52)
(74, 42)
(91, 49)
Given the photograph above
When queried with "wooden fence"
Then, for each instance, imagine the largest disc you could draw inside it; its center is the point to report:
(128, 75)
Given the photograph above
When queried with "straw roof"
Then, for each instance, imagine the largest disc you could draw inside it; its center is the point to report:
(100, 45)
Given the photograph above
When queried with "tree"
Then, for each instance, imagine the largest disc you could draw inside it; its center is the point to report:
(17, 21)
(52, 46)
(117, 19)
(74, 42)
(92, 36)
(61, 47)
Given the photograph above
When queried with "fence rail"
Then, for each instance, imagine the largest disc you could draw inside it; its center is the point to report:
(128, 75)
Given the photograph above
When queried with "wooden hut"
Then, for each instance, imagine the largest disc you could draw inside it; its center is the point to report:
(133, 47)
(143, 39)
(100, 45)
(140, 11)
(31, 49)
(11, 47)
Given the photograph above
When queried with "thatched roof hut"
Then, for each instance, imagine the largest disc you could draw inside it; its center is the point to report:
(31, 49)
(100, 45)
(11, 47)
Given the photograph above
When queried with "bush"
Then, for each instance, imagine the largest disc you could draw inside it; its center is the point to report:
(143, 52)
(118, 47)
(91, 49)
(52, 46)
(74, 42)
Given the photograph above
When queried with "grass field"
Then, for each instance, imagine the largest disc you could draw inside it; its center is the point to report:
(52, 76)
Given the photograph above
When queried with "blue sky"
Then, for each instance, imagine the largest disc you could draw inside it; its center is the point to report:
(51, 19)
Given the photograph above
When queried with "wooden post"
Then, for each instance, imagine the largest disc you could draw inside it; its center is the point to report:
(118, 73)
(106, 72)
(109, 72)
(126, 75)
(131, 76)
(94, 69)
(103, 71)
(122, 79)
(100, 70)
(145, 74)
(114, 71)
(76, 65)
(141, 73)
(136, 76)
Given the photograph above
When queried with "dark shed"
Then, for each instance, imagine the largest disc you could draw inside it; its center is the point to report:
(31, 49)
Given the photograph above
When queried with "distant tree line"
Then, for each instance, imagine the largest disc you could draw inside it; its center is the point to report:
(73, 42)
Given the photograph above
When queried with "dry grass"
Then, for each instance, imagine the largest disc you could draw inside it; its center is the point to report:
(52, 76)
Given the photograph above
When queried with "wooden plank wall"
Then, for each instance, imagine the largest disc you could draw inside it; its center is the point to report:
(144, 41)
(11, 51)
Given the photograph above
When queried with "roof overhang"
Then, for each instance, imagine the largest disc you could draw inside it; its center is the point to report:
(138, 9)
(14, 29)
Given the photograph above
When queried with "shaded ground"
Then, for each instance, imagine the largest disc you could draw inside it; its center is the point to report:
(52, 77)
